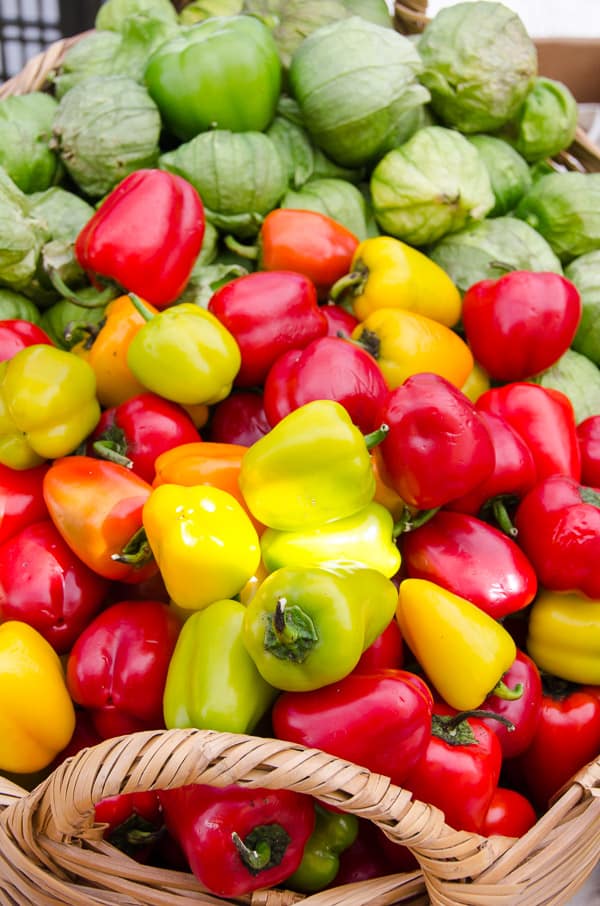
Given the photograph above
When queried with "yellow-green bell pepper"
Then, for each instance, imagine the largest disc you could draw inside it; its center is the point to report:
(311, 468)
(37, 717)
(463, 650)
(48, 405)
(212, 682)
(203, 541)
(563, 636)
(307, 627)
(334, 832)
(364, 539)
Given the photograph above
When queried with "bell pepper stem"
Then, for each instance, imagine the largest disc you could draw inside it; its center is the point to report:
(244, 251)
(256, 859)
(377, 436)
(61, 287)
(503, 519)
(501, 690)
(139, 306)
(456, 719)
(263, 848)
(291, 633)
(349, 284)
(410, 521)
(136, 552)
(109, 451)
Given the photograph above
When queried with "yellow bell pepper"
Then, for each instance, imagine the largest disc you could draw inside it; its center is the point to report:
(564, 636)
(405, 343)
(463, 650)
(203, 541)
(388, 273)
(37, 717)
(476, 384)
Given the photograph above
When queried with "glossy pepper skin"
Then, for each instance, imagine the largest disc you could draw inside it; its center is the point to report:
(145, 236)
(463, 650)
(308, 243)
(44, 584)
(334, 832)
(268, 313)
(117, 668)
(558, 524)
(222, 73)
(387, 650)
(212, 682)
(388, 273)
(238, 419)
(37, 717)
(459, 770)
(184, 354)
(521, 323)
(544, 418)
(16, 334)
(521, 708)
(364, 539)
(569, 728)
(308, 626)
(563, 635)
(136, 432)
(473, 559)
(510, 814)
(48, 405)
(97, 508)
(405, 343)
(437, 447)
(134, 822)
(204, 543)
(21, 499)
(381, 720)
(588, 437)
(327, 368)
(311, 468)
(235, 839)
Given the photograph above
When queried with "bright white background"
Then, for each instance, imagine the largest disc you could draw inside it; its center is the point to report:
(549, 18)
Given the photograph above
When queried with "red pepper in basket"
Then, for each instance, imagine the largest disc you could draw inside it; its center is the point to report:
(16, 334)
(135, 822)
(238, 839)
(558, 524)
(145, 236)
(510, 814)
(520, 703)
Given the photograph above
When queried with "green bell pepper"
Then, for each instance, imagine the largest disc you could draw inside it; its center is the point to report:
(67, 324)
(311, 468)
(307, 627)
(334, 832)
(212, 682)
(223, 73)
(363, 539)
(15, 305)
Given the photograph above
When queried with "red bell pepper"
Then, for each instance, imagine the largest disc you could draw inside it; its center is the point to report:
(470, 558)
(544, 418)
(339, 321)
(521, 323)
(16, 334)
(84, 736)
(514, 471)
(97, 507)
(268, 313)
(134, 822)
(239, 419)
(328, 368)
(21, 499)
(372, 855)
(145, 236)
(380, 720)
(558, 524)
(510, 814)
(567, 737)
(117, 668)
(237, 839)
(386, 651)
(437, 448)
(522, 710)
(43, 583)
(459, 770)
(588, 438)
(137, 431)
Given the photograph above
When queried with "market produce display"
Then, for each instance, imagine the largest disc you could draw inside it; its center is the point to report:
(300, 423)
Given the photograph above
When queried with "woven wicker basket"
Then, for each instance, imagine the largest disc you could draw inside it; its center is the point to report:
(51, 854)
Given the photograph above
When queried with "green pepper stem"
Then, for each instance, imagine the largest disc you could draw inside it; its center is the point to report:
(139, 306)
(285, 632)
(61, 287)
(457, 719)
(256, 859)
(136, 552)
(503, 519)
(244, 251)
(409, 521)
(343, 286)
(107, 450)
(501, 690)
(377, 436)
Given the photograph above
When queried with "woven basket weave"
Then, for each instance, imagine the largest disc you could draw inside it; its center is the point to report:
(51, 854)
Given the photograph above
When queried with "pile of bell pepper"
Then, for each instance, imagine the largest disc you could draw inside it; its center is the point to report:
(330, 507)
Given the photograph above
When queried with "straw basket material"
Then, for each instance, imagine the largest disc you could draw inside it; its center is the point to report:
(52, 854)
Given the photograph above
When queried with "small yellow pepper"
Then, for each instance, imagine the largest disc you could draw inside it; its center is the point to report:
(463, 650)
(564, 636)
(477, 382)
(388, 273)
(37, 718)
